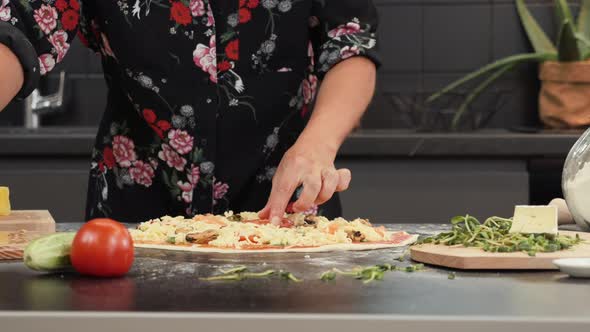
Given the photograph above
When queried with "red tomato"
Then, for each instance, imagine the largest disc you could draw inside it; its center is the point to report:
(102, 248)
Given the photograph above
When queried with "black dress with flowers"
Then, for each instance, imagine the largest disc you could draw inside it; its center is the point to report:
(205, 96)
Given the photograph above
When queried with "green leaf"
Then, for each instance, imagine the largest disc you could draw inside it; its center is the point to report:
(457, 219)
(537, 36)
(567, 43)
(566, 37)
(585, 41)
(562, 11)
(477, 91)
(584, 25)
(584, 45)
(513, 59)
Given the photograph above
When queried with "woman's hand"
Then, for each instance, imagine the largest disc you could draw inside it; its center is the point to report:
(342, 99)
(311, 166)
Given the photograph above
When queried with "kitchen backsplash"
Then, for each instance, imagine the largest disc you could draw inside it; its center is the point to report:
(424, 45)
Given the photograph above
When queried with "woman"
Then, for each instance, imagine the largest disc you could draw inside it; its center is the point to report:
(209, 104)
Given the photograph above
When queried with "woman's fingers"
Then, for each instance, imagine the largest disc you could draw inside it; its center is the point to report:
(312, 184)
(330, 180)
(283, 186)
(344, 177)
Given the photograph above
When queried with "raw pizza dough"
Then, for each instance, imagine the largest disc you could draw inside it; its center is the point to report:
(324, 248)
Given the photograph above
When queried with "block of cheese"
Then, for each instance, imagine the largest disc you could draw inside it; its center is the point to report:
(532, 219)
(4, 201)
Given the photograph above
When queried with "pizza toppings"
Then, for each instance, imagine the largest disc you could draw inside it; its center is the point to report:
(202, 237)
(310, 221)
(234, 217)
(355, 236)
(246, 231)
(285, 223)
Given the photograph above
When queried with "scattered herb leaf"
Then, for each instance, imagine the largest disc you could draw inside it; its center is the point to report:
(452, 275)
(386, 267)
(328, 275)
(236, 269)
(414, 268)
(241, 273)
(288, 276)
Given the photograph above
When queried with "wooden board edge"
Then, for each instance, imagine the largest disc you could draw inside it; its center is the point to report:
(429, 258)
(482, 263)
(43, 213)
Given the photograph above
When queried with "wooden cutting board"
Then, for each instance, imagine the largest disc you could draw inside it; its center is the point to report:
(477, 259)
(19, 228)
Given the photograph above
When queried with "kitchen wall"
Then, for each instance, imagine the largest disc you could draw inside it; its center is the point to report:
(424, 44)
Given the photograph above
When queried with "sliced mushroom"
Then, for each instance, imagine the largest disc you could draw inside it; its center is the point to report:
(202, 237)
(182, 230)
(310, 221)
(235, 217)
(355, 236)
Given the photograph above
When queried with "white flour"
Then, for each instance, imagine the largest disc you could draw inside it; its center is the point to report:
(578, 193)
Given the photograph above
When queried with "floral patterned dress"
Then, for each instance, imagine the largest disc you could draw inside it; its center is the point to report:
(205, 96)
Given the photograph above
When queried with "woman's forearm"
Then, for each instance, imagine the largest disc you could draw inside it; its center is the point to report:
(344, 95)
(11, 78)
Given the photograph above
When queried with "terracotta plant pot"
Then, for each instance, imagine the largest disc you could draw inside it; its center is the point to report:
(564, 100)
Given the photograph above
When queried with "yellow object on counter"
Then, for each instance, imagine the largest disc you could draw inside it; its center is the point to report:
(4, 201)
(529, 219)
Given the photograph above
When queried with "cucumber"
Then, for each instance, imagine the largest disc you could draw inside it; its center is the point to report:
(49, 253)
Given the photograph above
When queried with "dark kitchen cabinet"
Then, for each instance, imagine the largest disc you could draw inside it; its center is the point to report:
(384, 190)
(54, 184)
(433, 190)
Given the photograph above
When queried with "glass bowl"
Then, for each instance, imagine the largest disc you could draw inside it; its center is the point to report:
(576, 181)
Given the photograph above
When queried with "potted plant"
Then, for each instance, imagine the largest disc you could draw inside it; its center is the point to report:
(564, 99)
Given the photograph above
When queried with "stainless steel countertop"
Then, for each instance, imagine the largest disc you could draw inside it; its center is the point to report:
(163, 292)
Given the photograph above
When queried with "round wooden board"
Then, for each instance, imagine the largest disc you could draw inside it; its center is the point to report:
(477, 259)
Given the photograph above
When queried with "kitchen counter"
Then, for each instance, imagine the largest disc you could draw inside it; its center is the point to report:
(163, 292)
(57, 141)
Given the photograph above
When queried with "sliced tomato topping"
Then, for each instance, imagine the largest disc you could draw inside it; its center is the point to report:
(333, 228)
(258, 221)
(210, 219)
(380, 230)
(399, 237)
(216, 222)
(285, 223)
(252, 238)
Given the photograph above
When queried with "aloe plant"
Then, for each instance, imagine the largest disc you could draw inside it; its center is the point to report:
(573, 44)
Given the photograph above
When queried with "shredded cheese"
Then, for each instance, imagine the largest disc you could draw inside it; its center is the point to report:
(245, 229)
